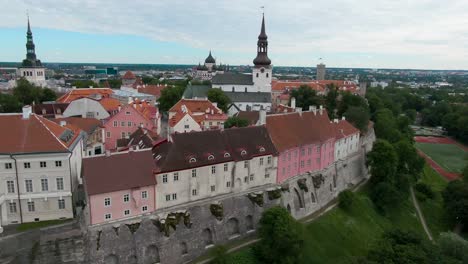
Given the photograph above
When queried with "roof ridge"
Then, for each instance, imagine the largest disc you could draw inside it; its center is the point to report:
(46, 127)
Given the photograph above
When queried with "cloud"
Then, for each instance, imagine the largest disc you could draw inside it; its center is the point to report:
(433, 32)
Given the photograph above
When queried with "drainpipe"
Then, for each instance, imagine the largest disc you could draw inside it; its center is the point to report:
(71, 183)
(17, 188)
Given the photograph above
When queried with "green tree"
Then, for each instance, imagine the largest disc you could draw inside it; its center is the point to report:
(84, 84)
(383, 162)
(409, 162)
(456, 201)
(358, 116)
(331, 100)
(385, 197)
(348, 100)
(235, 121)
(465, 174)
(346, 199)
(305, 97)
(48, 95)
(454, 246)
(26, 93)
(169, 97)
(386, 126)
(9, 104)
(219, 255)
(218, 96)
(282, 237)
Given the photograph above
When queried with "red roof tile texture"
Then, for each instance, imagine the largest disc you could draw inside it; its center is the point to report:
(84, 92)
(129, 75)
(343, 129)
(120, 171)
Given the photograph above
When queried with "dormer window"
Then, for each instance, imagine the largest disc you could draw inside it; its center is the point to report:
(243, 152)
(158, 157)
(192, 160)
(227, 155)
(262, 149)
(210, 157)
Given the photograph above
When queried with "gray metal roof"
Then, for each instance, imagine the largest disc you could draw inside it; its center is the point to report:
(232, 78)
(255, 97)
(198, 91)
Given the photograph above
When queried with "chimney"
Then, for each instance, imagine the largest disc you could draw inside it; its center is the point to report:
(335, 120)
(293, 103)
(262, 117)
(27, 111)
(313, 108)
(108, 153)
(130, 99)
(321, 110)
(343, 118)
(63, 123)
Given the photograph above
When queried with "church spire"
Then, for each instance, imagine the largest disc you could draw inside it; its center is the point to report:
(262, 47)
(31, 59)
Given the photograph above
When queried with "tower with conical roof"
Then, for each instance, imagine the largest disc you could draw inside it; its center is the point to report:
(262, 71)
(31, 68)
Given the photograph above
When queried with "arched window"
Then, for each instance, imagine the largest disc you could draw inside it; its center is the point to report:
(210, 157)
(257, 74)
(243, 152)
(245, 89)
(192, 160)
(267, 75)
(227, 155)
(233, 89)
(262, 149)
(313, 197)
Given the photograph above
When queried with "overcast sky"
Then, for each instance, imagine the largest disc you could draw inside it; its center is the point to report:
(424, 34)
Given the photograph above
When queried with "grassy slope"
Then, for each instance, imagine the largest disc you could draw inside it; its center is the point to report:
(433, 210)
(338, 235)
(448, 156)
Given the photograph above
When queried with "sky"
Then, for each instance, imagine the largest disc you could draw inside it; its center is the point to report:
(417, 34)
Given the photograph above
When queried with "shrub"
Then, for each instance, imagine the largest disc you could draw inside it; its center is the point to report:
(345, 199)
(425, 190)
(219, 255)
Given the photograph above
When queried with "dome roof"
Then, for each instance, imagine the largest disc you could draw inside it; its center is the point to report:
(210, 59)
(262, 60)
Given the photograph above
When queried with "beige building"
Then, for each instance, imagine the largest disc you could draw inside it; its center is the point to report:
(321, 71)
(40, 162)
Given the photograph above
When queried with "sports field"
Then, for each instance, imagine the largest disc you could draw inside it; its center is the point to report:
(450, 157)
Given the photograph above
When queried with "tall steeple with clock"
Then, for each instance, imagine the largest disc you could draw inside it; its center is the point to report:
(262, 71)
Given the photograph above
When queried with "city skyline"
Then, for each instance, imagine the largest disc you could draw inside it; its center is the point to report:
(367, 34)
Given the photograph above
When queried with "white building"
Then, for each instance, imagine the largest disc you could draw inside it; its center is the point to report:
(347, 139)
(204, 164)
(256, 87)
(86, 107)
(31, 68)
(40, 165)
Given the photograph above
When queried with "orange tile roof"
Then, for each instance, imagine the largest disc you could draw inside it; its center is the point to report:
(148, 110)
(35, 134)
(152, 89)
(129, 75)
(284, 109)
(110, 104)
(198, 109)
(85, 92)
(343, 128)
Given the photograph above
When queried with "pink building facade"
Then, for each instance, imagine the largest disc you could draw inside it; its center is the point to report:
(126, 121)
(121, 204)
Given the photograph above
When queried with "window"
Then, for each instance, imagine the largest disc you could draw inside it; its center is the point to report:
(129, 123)
(107, 216)
(284, 157)
(318, 161)
(262, 149)
(256, 75)
(309, 151)
(308, 162)
(289, 156)
(127, 113)
(210, 157)
(213, 169)
(269, 160)
(226, 167)
(29, 186)
(176, 176)
(144, 195)
(261, 161)
(295, 153)
(194, 173)
(233, 89)
(126, 198)
(251, 177)
(108, 134)
(44, 185)
(164, 178)
(228, 184)
(318, 149)
(107, 202)
(227, 155)
(31, 207)
(284, 171)
(246, 164)
(243, 152)
(122, 135)
(127, 212)
(122, 123)
(267, 74)
(168, 197)
(59, 184)
(174, 196)
(144, 208)
(213, 188)
(116, 123)
(302, 164)
(58, 163)
(267, 175)
(10, 186)
(43, 164)
(246, 179)
(8, 166)
(61, 204)
(13, 208)
(186, 126)
(192, 160)
(302, 151)
(194, 192)
(27, 165)
(128, 134)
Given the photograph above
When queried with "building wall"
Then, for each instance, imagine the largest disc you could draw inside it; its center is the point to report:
(86, 107)
(33, 75)
(213, 123)
(186, 124)
(346, 146)
(237, 177)
(98, 210)
(235, 87)
(116, 131)
(303, 159)
(262, 80)
(249, 106)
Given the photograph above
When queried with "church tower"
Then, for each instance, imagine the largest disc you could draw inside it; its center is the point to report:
(31, 68)
(262, 71)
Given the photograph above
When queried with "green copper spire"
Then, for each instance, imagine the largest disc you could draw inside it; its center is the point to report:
(31, 59)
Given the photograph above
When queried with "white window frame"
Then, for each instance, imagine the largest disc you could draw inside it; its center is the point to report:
(144, 195)
(126, 198)
(107, 202)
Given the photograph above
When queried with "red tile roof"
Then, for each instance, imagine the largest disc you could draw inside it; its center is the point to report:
(129, 75)
(49, 110)
(152, 89)
(343, 129)
(149, 111)
(110, 104)
(35, 134)
(198, 109)
(251, 116)
(284, 109)
(84, 92)
(119, 171)
(296, 129)
(88, 125)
